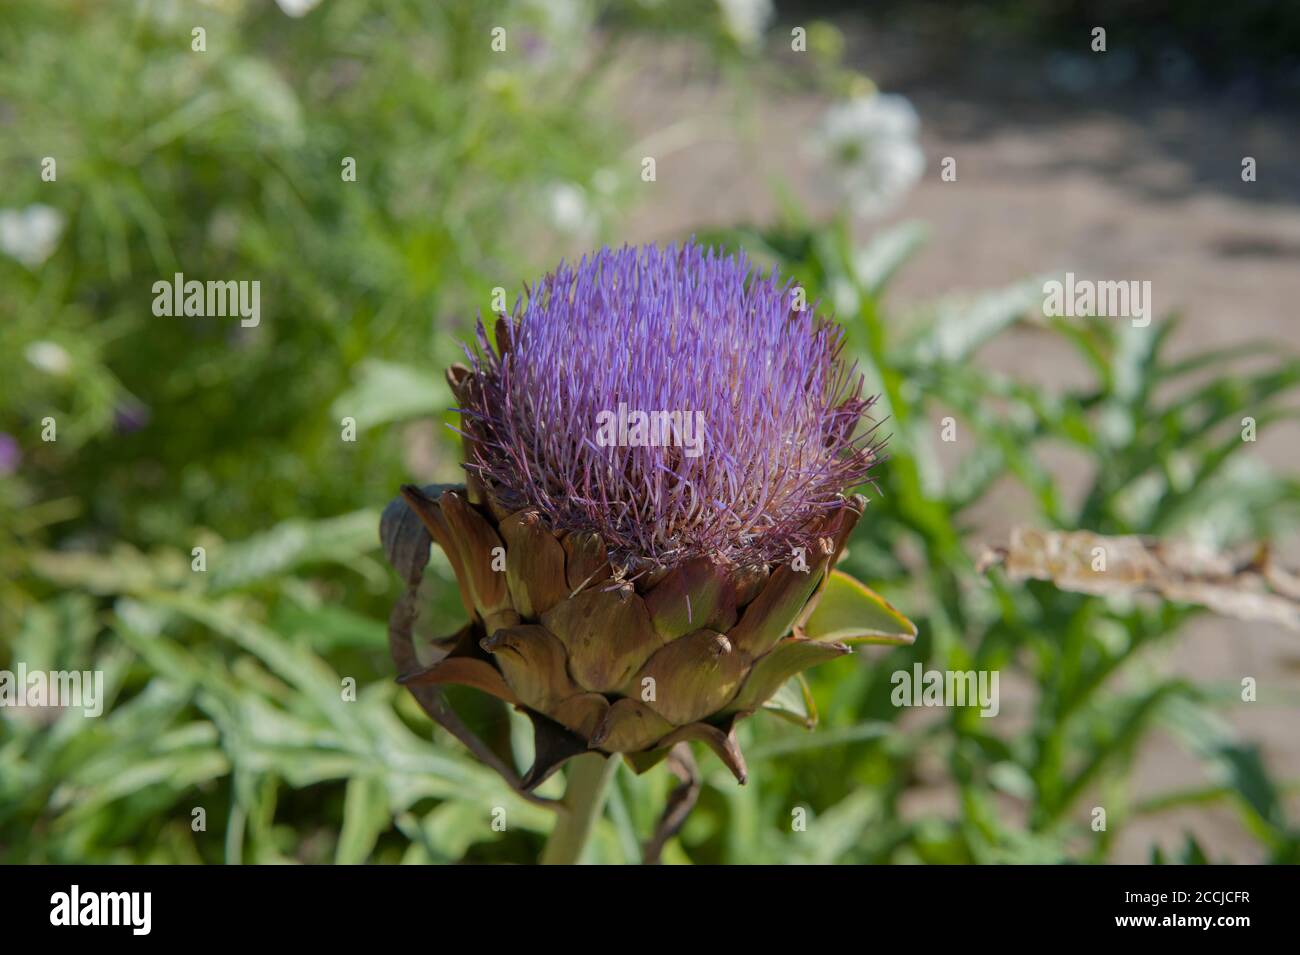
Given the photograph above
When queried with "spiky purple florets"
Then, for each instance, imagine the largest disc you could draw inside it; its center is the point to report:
(660, 331)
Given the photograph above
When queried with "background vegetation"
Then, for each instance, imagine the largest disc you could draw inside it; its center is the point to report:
(475, 171)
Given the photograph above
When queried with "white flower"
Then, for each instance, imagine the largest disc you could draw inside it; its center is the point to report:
(569, 210)
(746, 20)
(297, 8)
(49, 357)
(871, 145)
(30, 235)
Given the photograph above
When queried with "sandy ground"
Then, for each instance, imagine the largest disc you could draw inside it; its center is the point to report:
(1124, 182)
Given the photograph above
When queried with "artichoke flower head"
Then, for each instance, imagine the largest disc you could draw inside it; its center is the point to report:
(659, 450)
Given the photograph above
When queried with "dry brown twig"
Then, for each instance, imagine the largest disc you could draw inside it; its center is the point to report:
(1246, 584)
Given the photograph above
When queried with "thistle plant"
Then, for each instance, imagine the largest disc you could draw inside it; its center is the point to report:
(638, 585)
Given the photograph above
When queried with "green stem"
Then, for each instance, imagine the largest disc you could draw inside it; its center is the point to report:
(584, 798)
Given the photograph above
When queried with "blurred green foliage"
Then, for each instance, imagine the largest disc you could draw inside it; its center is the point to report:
(227, 689)
(1162, 443)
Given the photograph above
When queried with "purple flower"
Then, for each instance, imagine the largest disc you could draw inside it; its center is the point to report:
(10, 454)
(131, 415)
(673, 401)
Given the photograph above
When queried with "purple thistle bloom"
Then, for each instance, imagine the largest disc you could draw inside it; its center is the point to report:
(10, 454)
(131, 415)
(668, 330)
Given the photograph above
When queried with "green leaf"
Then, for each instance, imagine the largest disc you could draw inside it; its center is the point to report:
(365, 817)
(291, 544)
(773, 670)
(329, 627)
(821, 740)
(961, 326)
(794, 702)
(1193, 854)
(850, 612)
(123, 570)
(1237, 765)
(875, 264)
(833, 834)
(388, 391)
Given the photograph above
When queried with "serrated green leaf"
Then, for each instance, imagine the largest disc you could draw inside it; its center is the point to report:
(291, 544)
